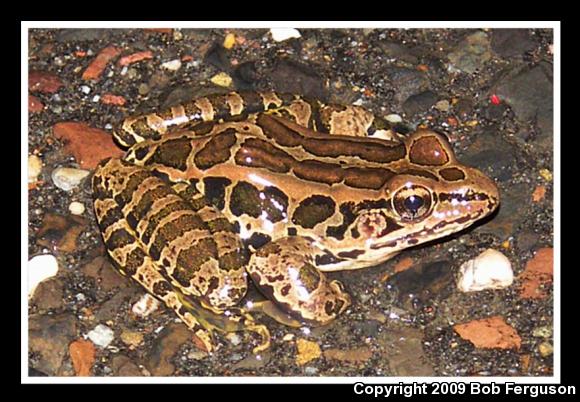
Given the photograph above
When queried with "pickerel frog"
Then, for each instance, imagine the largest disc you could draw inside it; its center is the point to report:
(277, 188)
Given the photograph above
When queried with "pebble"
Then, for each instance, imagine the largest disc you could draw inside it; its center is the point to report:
(172, 65)
(76, 208)
(177, 35)
(282, 34)
(307, 351)
(143, 89)
(145, 306)
(489, 270)
(132, 73)
(222, 79)
(40, 268)
(546, 349)
(394, 118)
(310, 370)
(288, 337)
(85, 89)
(131, 338)
(442, 106)
(234, 338)
(542, 332)
(546, 174)
(197, 355)
(68, 178)
(229, 41)
(34, 168)
(101, 336)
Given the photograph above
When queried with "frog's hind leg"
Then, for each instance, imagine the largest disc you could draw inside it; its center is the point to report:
(124, 228)
(284, 271)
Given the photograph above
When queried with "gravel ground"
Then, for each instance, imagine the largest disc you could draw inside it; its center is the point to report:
(490, 91)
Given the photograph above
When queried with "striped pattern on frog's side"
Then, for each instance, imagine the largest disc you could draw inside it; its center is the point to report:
(236, 106)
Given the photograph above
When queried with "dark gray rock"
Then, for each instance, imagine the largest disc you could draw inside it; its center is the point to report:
(123, 367)
(471, 53)
(82, 34)
(464, 107)
(110, 308)
(526, 241)
(419, 103)
(492, 155)
(514, 205)
(48, 295)
(246, 76)
(407, 82)
(49, 337)
(403, 348)
(399, 52)
(529, 92)
(511, 42)
(218, 57)
(292, 77)
(423, 282)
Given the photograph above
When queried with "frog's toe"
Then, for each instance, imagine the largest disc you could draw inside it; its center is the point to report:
(283, 270)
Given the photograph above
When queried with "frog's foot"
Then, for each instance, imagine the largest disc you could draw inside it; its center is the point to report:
(284, 271)
(233, 319)
(270, 309)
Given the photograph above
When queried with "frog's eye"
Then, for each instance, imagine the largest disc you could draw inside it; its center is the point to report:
(412, 202)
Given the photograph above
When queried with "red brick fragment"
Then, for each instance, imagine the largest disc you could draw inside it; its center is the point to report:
(135, 57)
(34, 104)
(490, 333)
(87, 144)
(41, 81)
(537, 275)
(99, 63)
(110, 99)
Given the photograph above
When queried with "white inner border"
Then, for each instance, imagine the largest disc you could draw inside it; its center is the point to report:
(26, 25)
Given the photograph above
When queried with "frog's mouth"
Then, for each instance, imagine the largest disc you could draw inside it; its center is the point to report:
(427, 233)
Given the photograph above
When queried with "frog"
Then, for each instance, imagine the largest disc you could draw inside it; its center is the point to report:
(276, 189)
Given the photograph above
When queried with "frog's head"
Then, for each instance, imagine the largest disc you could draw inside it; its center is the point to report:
(431, 195)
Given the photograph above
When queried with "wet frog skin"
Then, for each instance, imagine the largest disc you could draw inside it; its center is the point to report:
(277, 188)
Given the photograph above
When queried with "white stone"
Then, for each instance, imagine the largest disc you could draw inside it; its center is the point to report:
(101, 336)
(85, 89)
(145, 306)
(68, 178)
(172, 65)
(34, 168)
(489, 270)
(394, 118)
(234, 338)
(76, 208)
(40, 268)
(282, 34)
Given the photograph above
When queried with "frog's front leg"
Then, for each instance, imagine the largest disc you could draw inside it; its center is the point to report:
(284, 271)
